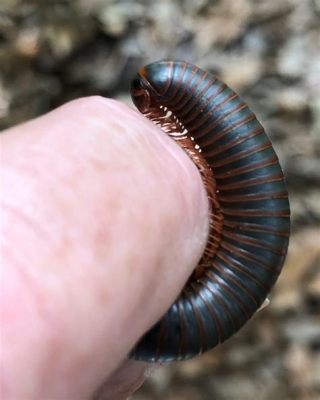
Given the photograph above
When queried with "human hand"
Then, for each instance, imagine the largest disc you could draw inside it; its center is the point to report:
(104, 217)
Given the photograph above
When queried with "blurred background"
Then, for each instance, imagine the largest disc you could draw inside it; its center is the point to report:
(269, 52)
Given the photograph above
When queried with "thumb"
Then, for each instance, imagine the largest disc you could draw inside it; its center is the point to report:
(104, 219)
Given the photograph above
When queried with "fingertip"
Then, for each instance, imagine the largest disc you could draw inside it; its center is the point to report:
(124, 220)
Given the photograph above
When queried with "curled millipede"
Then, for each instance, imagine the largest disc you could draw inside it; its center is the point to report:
(249, 208)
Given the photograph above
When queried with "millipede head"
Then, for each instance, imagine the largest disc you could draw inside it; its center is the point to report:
(150, 84)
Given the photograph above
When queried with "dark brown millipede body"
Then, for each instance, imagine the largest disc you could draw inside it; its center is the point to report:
(249, 218)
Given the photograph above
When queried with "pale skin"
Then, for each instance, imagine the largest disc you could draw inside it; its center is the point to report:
(103, 219)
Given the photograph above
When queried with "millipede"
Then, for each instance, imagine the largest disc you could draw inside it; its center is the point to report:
(249, 216)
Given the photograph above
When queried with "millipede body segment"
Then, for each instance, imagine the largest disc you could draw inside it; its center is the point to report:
(249, 208)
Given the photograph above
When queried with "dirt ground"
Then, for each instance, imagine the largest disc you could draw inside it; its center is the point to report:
(269, 52)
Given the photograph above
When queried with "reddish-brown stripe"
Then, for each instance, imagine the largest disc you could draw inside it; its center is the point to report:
(223, 148)
(216, 122)
(228, 289)
(161, 337)
(219, 299)
(247, 168)
(234, 264)
(190, 98)
(245, 255)
(255, 212)
(183, 329)
(243, 154)
(178, 86)
(196, 99)
(251, 182)
(200, 324)
(170, 79)
(247, 226)
(253, 242)
(204, 118)
(224, 132)
(211, 310)
(253, 197)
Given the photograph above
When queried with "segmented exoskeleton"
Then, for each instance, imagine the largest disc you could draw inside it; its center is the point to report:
(249, 218)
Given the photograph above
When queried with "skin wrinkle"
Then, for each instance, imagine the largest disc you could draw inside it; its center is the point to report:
(31, 298)
(121, 385)
(31, 286)
(31, 282)
(39, 301)
(27, 228)
(21, 217)
(58, 179)
(17, 263)
(29, 211)
(160, 137)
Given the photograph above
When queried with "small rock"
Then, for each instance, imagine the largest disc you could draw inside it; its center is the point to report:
(302, 331)
(4, 101)
(292, 101)
(27, 42)
(294, 57)
(313, 287)
(115, 17)
(315, 373)
(241, 71)
(298, 364)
